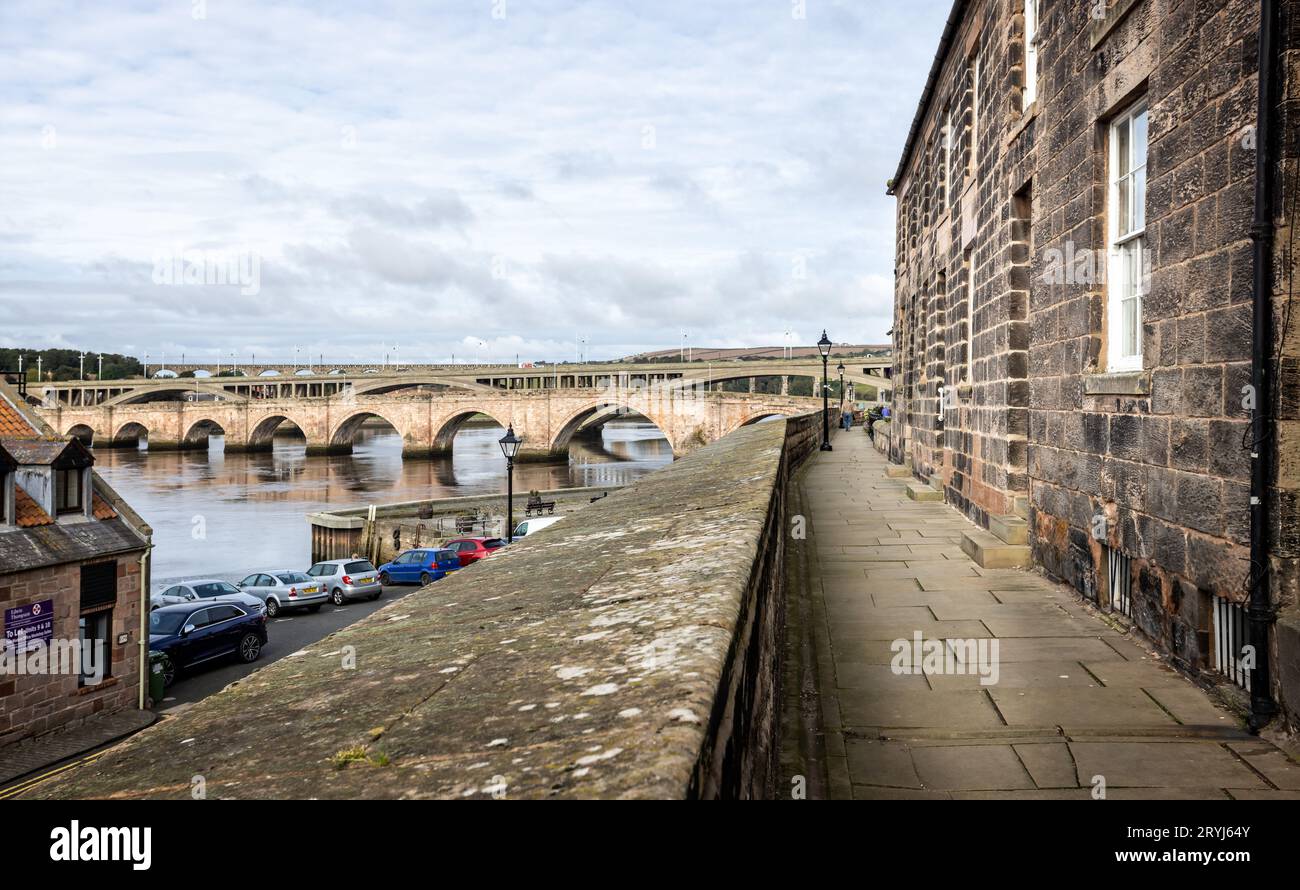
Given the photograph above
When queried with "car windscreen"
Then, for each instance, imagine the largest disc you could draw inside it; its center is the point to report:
(446, 557)
(166, 622)
(293, 577)
(353, 568)
(493, 543)
(216, 588)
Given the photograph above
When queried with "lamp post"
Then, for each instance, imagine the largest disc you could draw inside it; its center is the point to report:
(841, 370)
(824, 347)
(510, 447)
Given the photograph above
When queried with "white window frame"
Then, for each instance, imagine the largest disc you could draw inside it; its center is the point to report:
(1131, 240)
(970, 314)
(1030, 93)
(974, 115)
(947, 160)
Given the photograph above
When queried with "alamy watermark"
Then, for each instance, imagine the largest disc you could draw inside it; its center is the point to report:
(237, 268)
(80, 657)
(951, 657)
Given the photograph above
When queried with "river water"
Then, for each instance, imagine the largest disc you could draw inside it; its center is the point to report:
(225, 516)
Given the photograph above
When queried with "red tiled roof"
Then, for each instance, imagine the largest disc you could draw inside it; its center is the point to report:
(29, 513)
(13, 424)
(100, 508)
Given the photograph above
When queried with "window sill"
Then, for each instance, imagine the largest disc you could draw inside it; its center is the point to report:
(1099, 30)
(106, 683)
(1018, 127)
(1118, 383)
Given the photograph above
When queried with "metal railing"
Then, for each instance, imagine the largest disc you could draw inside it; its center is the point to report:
(18, 379)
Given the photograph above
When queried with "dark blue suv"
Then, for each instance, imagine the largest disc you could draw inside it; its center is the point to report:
(422, 566)
(191, 634)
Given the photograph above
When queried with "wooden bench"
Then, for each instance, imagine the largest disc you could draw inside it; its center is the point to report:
(537, 505)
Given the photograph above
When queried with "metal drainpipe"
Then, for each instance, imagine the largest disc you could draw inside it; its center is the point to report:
(1259, 611)
(144, 620)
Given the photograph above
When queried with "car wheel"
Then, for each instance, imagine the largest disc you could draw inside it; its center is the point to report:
(250, 647)
(425, 579)
(168, 671)
(384, 578)
(375, 596)
(315, 608)
(337, 598)
(272, 607)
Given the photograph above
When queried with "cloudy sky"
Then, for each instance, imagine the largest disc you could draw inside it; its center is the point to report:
(482, 178)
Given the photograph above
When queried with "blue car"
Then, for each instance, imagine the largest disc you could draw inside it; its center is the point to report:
(422, 566)
(191, 634)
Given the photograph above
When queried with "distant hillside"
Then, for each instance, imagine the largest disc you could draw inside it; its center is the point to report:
(63, 364)
(751, 353)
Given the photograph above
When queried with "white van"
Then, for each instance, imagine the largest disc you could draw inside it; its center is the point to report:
(528, 526)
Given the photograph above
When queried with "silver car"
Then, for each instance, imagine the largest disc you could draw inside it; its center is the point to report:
(285, 589)
(347, 579)
(205, 589)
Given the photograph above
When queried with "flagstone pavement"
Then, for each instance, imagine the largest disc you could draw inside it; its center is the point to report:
(1080, 708)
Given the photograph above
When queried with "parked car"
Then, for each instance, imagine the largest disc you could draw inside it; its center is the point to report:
(423, 566)
(204, 589)
(285, 589)
(347, 579)
(470, 550)
(534, 525)
(190, 634)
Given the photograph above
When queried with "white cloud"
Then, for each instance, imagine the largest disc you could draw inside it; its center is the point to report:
(434, 176)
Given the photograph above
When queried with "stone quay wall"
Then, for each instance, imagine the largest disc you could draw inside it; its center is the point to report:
(631, 651)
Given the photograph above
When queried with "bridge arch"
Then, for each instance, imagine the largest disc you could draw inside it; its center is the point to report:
(83, 432)
(262, 435)
(345, 432)
(598, 411)
(450, 426)
(131, 431)
(761, 417)
(200, 432)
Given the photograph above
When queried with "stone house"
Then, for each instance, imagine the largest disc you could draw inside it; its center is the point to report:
(73, 573)
(1079, 363)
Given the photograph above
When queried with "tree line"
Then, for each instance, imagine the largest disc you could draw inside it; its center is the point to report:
(65, 364)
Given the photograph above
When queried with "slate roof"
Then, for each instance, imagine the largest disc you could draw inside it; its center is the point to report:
(34, 452)
(45, 545)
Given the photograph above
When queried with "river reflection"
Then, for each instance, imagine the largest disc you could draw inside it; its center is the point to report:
(227, 515)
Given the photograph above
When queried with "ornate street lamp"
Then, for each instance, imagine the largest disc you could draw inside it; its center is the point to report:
(824, 347)
(510, 447)
(841, 370)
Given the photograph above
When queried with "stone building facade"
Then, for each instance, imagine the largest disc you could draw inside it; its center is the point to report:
(73, 568)
(1073, 303)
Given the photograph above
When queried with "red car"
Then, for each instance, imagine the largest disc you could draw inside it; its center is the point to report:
(473, 549)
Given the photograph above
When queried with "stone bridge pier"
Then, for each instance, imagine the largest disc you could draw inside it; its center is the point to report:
(546, 420)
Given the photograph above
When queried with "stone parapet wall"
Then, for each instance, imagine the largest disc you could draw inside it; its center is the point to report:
(630, 651)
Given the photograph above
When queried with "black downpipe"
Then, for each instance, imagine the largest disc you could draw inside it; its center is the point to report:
(1259, 610)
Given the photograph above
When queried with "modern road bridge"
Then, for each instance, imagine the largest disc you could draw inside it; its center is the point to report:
(284, 382)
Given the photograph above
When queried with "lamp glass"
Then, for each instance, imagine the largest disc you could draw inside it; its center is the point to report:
(824, 345)
(510, 443)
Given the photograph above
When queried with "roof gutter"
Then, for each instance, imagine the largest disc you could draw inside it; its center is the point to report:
(955, 15)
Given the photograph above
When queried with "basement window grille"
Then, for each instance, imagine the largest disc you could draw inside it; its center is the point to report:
(1230, 640)
(1121, 582)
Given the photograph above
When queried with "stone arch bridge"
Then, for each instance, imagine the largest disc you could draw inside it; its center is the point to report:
(546, 420)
